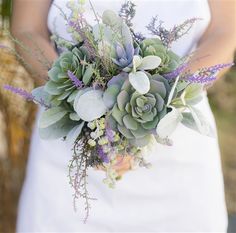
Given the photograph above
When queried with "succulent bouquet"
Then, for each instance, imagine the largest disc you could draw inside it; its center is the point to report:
(113, 91)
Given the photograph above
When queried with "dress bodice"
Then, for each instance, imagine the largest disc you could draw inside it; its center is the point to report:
(172, 12)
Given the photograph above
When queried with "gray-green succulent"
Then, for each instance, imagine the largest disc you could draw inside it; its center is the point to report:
(154, 46)
(60, 86)
(136, 115)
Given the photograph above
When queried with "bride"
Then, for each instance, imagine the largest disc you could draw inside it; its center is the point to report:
(183, 191)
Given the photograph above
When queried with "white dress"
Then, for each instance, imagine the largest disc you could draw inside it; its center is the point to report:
(182, 192)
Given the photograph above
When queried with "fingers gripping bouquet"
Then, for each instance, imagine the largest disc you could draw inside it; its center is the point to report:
(113, 91)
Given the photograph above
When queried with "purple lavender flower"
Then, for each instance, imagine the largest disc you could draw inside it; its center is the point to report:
(200, 79)
(26, 95)
(102, 155)
(208, 74)
(23, 93)
(2, 46)
(176, 72)
(77, 83)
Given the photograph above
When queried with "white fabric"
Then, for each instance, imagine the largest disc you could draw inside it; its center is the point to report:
(182, 192)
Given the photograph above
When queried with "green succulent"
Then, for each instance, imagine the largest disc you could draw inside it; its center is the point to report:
(135, 115)
(60, 86)
(154, 46)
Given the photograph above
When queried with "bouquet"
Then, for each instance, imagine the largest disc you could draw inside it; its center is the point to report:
(112, 92)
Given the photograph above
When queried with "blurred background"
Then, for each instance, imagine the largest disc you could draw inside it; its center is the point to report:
(17, 117)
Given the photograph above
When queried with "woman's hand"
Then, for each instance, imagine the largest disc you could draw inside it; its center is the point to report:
(123, 164)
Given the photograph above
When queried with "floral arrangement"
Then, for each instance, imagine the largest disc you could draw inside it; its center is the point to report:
(112, 92)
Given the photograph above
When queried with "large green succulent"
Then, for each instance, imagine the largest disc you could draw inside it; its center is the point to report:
(60, 86)
(136, 115)
(154, 46)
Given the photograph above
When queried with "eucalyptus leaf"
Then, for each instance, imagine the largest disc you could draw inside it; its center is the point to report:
(140, 82)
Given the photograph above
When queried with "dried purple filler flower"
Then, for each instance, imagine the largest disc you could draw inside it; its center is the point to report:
(102, 155)
(26, 95)
(169, 36)
(110, 134)
(127, 12)
(77, 83)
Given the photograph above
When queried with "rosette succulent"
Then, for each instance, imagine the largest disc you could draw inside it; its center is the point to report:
(154, 46)
(124, 55)
(136, 115)
(60, 85)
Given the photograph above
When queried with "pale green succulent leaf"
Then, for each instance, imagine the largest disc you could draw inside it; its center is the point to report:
(53, 73)
(118, 115)
(125, 132)
(140, 82)
(72, 96)
(122, 100)
(130, 123)
(158, 87)
(51, 88)
(64, 95)
(151, 124)
(110, 95)
(141, 142)
(140, 132)
(149, 63)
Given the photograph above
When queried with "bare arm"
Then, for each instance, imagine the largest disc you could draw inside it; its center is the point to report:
(29, 26)
(219, 41)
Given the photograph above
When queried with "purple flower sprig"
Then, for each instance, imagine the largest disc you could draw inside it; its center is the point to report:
(169, 36)
(175, 73)
(110, 134)
(26, 95)
(77, 83)
(206, 75)
(103, 156)
(3, 46)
